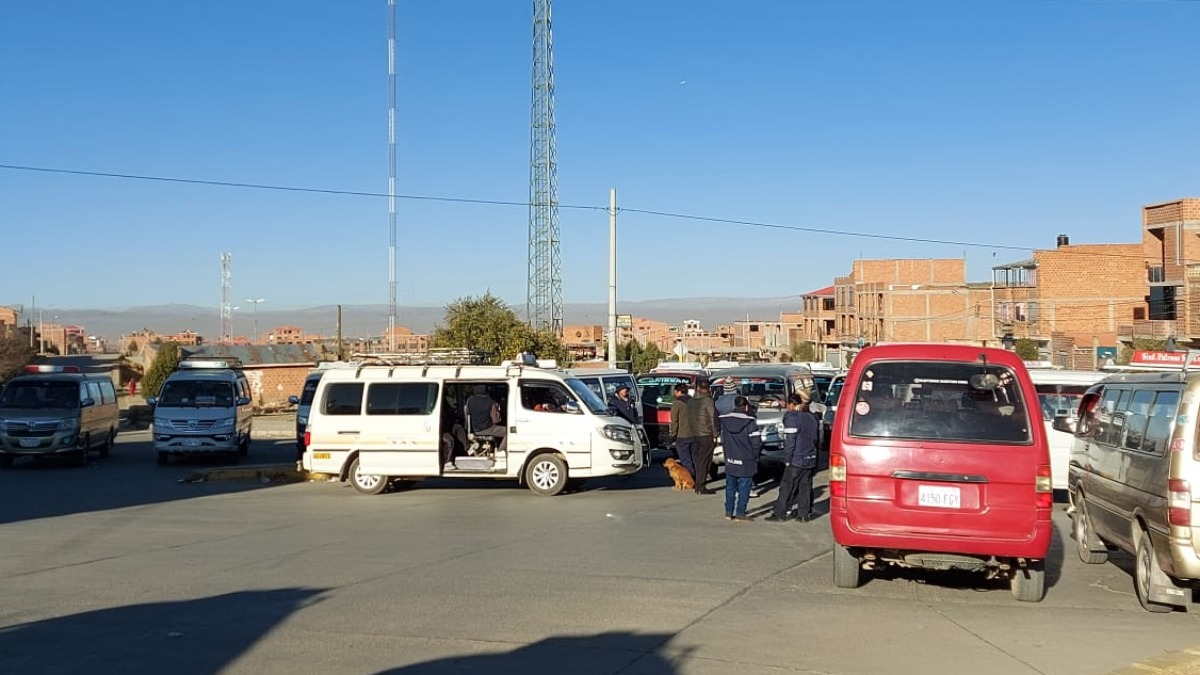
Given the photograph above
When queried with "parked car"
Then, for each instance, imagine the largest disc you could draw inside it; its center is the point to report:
(767, 386)
(654, 390)
(54, 411)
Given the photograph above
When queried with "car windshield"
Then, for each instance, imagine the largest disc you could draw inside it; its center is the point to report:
(939, 401)
(821, 382)
(762, 391)
(658, 388)
(196, 394)
(33, 394)
(1060, 400)
(589, 397)
(310, 391)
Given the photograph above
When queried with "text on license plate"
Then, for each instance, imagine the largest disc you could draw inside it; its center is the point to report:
(191, 442)
(29, 442)
(938, 496)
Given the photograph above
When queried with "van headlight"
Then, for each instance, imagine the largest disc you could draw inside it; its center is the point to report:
(225, 423)
(618, 433)
(68, 424)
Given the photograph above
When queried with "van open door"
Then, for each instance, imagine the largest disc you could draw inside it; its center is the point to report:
(400, 429)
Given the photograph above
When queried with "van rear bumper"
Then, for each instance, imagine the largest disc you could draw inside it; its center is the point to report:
(1035, 547)
(1185, 562)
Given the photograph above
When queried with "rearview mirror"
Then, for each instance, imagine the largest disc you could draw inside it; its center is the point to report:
(242, 400)
(294, 400)
(571, 407)
(152, 401)
(1063, 423)
(984, 381)
(87, 403)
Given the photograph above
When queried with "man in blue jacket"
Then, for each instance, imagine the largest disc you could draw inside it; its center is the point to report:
(800, 435)
(742, 442)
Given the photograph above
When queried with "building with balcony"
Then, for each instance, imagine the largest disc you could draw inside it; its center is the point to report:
(1171, 244)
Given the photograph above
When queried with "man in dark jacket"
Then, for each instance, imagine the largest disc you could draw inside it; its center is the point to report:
(704, 424)
(800, 436)
(621, 403)
(681, 428)
(742, 442)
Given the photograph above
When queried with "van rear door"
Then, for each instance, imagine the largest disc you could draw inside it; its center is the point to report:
(941, 447)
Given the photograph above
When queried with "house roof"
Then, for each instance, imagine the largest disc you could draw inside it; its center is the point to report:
(821, 292)
(260, 355)
(1028, 264)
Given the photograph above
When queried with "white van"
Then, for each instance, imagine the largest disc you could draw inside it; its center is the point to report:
(378, 424)
(303, 402)
(1059, 393)
(203, 408)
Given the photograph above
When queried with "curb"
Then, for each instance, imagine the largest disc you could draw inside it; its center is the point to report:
(1182, 662)
(264, 473)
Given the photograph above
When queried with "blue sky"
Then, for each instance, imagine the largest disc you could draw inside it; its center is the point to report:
(993, 121)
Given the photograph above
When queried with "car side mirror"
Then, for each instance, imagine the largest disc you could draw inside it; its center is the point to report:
(1063, 423)
(87, 403)
(152, 401)
(571, 407)
(242, 400)
(294, 400)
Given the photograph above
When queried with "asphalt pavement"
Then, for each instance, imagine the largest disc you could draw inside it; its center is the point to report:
(122, 566)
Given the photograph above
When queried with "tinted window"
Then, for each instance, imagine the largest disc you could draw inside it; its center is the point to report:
(936, 401)
(658, 388)
(1112, 416)
(196, 394)
(835, 391)
(40, 394)
(593, 384)
(1136, 417)
(310, 391)
(401, 398)
(764, 392)
(1162, 418)
(343, 398)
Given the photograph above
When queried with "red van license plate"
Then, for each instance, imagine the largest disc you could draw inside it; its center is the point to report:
(939, 496)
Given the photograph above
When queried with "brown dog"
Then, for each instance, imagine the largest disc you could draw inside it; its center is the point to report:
(683, 479)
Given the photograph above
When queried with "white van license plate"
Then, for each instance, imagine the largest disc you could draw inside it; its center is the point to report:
(191, 442)
(939, 497)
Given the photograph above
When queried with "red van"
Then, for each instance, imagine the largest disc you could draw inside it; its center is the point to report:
(937, 462)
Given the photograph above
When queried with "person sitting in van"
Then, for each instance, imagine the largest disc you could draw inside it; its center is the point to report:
(483, 417)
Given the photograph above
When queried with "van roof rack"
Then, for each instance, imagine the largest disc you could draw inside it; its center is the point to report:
(431, 357)
(203, 363)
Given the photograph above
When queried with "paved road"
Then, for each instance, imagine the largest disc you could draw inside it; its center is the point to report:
(118, 567)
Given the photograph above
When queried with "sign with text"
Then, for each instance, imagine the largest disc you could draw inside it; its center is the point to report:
(1163, 359)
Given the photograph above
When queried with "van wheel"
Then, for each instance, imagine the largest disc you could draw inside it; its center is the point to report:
(1029, 582)
(847, 568)
(366, 483)
(546, 475)
(109, 441)
(163, 458)
(1085, 538)
(1142, 575)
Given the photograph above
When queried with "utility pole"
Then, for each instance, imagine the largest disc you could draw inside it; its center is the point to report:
(254, 338)
(612, 278)
(391, 326)
(341, 350)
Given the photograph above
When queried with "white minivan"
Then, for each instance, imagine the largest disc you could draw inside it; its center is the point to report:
(203, 409)
(379, 424)
(1059, 393)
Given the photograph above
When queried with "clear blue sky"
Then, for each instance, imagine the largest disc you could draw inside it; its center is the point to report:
(997, 121)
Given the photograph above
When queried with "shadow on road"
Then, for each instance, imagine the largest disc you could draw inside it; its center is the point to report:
(578, 655)
(200, 637)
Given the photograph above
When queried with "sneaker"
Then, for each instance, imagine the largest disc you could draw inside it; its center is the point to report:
(742, 519)
(449, 466)
(728, 516)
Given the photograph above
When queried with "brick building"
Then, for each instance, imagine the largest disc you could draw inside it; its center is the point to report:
(1171, 244)
(585, 342)
(818, 321)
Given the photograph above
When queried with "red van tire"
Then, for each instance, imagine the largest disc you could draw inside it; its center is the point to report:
(1085, 538)
(847, 568)
(1142, 576)
(1029, 582)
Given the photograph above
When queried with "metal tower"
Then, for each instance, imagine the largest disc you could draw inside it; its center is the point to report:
(544, 300)
(391, 324)
(226, 305)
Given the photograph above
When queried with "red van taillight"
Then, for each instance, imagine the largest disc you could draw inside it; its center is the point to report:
(307, 438)
(1045, 487)
(1179, 502)
(837, 475)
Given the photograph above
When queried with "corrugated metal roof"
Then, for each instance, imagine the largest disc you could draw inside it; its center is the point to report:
(259, 355)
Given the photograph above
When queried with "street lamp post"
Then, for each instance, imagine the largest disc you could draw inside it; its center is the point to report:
(254, 340)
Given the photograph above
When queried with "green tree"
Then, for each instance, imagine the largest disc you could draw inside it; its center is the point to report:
(1026, 349)
(488, 325)
(15, 354)
(165, 363)
(647, 358)
(804, 351)
(1139, 345)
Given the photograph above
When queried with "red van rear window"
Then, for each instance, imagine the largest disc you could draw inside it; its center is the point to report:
(939, 400)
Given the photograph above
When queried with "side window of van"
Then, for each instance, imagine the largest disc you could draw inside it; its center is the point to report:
(1162, 418)
(544, 396)
(93, 392)
(1108, 422)
(1136, 418)
(343, 398)
(108, 394)
(594, 384)
(401, 398)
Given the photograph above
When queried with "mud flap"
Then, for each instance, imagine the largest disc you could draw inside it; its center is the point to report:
(1166, 591)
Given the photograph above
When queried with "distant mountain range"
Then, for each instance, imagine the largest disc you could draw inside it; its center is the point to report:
(366, 320)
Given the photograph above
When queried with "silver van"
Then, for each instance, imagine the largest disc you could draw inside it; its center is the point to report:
(768, 387)
(57, 411)
(203, 408)
(1133, 473)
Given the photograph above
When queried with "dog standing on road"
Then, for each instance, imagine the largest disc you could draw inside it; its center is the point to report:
(683, 479)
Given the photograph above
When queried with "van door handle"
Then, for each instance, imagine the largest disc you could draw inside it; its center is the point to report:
(943, 477)
(347, 433)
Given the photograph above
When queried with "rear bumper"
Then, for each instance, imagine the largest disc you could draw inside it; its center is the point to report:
(1034, 546)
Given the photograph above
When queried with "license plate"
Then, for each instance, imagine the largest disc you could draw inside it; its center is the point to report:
(191, 442)
(939, 497)
(29, 442)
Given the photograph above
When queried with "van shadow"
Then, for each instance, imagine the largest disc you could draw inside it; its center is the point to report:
(631, 653)
(967, 580)
(201, 637)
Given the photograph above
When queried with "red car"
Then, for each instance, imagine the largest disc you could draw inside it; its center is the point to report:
(654, 392)
(939, 460)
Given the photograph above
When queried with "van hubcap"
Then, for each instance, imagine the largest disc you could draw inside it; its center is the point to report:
(366, 481)
(545, 475)
(1143, 568)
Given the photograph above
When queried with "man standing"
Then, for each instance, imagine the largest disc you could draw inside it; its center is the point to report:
(742, 441)
(681, 428)
(800, 448)
(621, 403)
(703, 414)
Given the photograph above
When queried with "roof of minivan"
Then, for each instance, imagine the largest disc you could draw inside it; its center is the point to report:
(1168, 376)
(379, 372)
(938, 351)
(762, 369)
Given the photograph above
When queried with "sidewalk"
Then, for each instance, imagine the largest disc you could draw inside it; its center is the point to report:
(1183, 662)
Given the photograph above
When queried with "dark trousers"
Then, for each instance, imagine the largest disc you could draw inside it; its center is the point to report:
(795, 490)
(703, 456)
(686, 449)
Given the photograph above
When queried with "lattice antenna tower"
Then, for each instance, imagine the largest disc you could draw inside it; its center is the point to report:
(544, 298)
(226, 304)
(391, 324)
